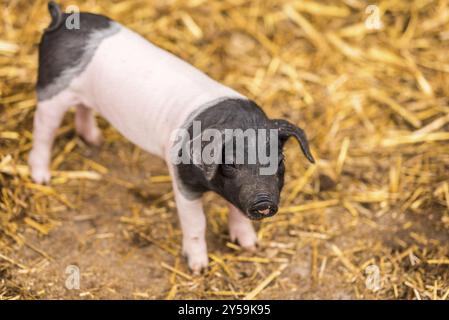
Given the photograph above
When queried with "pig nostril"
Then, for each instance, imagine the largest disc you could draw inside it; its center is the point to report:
(263, 208)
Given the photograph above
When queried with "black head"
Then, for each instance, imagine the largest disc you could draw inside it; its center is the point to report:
(246, 163)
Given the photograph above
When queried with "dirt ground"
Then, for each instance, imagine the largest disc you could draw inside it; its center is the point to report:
(369, 221)
(115, 263)
(119, 245)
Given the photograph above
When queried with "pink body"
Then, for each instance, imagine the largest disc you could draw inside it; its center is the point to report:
(143, 91)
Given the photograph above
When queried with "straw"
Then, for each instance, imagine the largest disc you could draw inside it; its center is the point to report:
(373, 102)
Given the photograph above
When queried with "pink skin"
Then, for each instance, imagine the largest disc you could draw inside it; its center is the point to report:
(193, 225)
(48, 118)
(241, 229)
(86, 125)
(145, 93)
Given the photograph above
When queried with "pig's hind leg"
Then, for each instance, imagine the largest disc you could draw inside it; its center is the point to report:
(47, 119)
(241, 229)
(86, 125)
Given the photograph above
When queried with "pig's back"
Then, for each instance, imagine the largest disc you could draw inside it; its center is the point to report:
(144, 91)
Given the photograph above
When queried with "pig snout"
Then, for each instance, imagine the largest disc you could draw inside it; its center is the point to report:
(262, 207)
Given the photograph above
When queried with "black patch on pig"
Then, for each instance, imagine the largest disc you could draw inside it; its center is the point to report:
(240, 184)
(229, 114)
(63, 49)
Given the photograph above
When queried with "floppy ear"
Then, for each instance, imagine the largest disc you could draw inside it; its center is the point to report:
(207, 155)
(287, 130)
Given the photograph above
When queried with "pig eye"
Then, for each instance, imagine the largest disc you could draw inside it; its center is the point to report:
(228, 170)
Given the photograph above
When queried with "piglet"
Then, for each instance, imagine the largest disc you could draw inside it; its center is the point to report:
(166, 107)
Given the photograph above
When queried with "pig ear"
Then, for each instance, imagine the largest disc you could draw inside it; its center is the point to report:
(209, 170)
(287, 130)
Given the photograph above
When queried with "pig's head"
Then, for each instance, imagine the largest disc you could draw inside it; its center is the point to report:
(253, 186)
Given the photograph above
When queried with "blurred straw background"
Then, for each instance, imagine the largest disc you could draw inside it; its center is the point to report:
(372, 94)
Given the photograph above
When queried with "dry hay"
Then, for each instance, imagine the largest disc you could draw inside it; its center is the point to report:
(373, 102)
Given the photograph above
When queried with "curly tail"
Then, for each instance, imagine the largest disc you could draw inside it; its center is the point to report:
(56, 16)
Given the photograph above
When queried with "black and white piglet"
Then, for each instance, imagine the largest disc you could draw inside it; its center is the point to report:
(147, 94)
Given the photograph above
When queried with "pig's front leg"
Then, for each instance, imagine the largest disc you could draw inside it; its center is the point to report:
(193, 226)
(241, 229)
